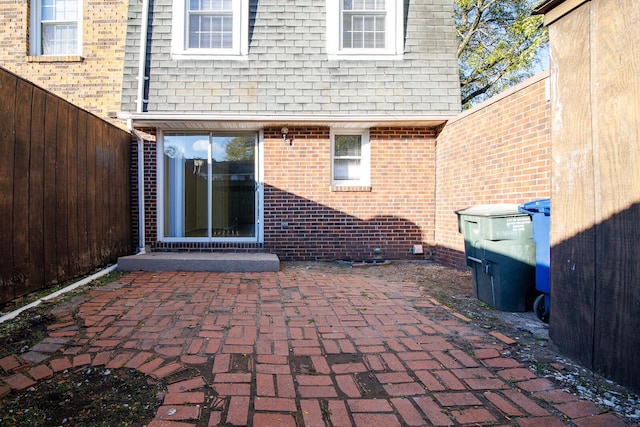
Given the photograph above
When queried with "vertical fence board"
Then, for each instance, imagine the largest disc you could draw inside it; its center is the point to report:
(7, 146)
(22, 154)
(50, 242)
(93, 205)
(81, 186)
(71, 142)
(62, 195)
(37, 180)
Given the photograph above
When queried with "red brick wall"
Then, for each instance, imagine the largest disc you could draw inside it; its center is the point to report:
(305, 218)
(498, 152)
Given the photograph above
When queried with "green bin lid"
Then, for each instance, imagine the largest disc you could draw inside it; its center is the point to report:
(492, 210)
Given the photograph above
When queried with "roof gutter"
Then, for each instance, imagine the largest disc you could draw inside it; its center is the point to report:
(166, 120)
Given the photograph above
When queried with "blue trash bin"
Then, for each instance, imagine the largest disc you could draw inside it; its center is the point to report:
(540, 211)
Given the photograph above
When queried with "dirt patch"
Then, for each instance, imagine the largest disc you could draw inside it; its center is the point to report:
(85, 397)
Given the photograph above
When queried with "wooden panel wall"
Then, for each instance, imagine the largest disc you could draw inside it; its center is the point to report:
(64, 189)
(595, 225)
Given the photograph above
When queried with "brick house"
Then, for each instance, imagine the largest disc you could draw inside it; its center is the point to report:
(305, 129)
(72, 48)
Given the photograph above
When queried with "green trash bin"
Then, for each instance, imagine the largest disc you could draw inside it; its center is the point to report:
(500, 250)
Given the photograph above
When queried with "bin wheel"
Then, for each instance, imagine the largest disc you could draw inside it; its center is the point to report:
(539, 309)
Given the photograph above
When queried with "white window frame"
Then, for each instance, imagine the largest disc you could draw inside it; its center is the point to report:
(394, 34)
(35, 42)
(180, 38)
(365, 158)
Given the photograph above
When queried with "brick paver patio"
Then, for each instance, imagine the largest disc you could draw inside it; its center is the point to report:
(299, 348)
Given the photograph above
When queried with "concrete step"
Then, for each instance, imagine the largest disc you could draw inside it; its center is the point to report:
(200, 261)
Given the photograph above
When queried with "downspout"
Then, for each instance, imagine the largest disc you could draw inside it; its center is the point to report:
(142, 78)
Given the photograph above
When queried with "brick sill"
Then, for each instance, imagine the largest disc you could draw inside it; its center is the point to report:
(351, 188)
(44, 58)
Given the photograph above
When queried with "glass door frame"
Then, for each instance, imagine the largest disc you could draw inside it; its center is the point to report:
(259, 186)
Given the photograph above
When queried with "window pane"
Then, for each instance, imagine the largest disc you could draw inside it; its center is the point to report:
(59, 10)
(346, 170)
(59, 39)
(348, 145)
(210, 32)
(363, 31)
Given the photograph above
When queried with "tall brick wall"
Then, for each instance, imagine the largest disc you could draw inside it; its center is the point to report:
(498, 152)
(93, 80)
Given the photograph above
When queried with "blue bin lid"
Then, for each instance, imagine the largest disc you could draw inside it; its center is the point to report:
(536, 206)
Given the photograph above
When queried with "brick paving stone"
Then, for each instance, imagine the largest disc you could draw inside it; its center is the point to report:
(348, 368)
(221, 363)
(540, 421)
(505, 339)
(174, 351)
(215, 418)
(433, 411)
(517, 374)
(312, 413)
(274, 404)
(101, 358)
(60, 364)
(194, 397)
(118, 361)
(408, 412)
(348, 386)
(373, 362)
(502, 404)
(224, 389)
(338, 413)
(404, 389)
(579, 409)
(608, 420)
(186, 385)
(9, 363)
(485, 383)
(19, 381)
(317, 391)
(265, 385)
(280, 420)
(151, 365)
(525, 403)
(166, 370)
(178, 412)
(305, 380)
(138, 360)
(556, 396)
(429, 381)
(486, 353)
(35, 357)
(368, 420)
(232, 378)
(392, 362)
(449, 380)
(192, 359)
(369, 405)
(457, 399)
(41, 372)
(81, 360)
(502, 362)
(478, 416)
(238, 411)
(285, 385)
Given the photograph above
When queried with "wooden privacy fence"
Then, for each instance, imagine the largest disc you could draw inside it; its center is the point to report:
(64, 189)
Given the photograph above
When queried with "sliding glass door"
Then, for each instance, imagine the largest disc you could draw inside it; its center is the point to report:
(210, 189)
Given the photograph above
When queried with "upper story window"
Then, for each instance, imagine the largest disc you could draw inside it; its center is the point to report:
(350, 163)
(357, 29)
(204, 28)
(56, 27)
